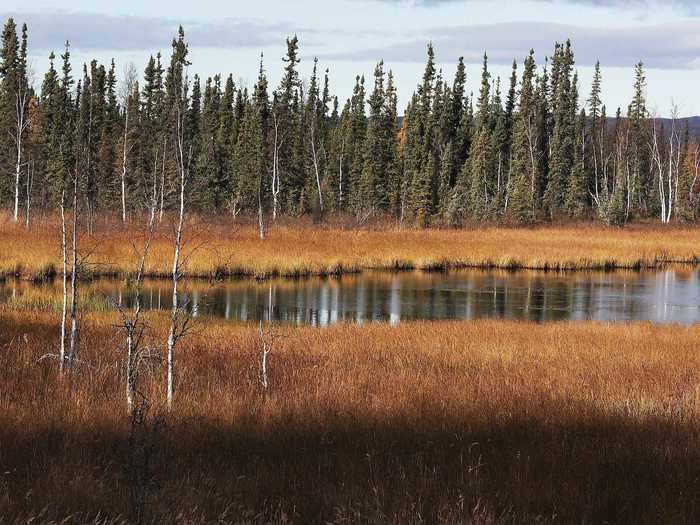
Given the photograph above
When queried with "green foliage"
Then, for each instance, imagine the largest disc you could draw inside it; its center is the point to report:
(526, 154)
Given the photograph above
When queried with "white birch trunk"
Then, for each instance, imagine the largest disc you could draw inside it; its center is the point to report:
(124, 155)
(73, 348)
(64, 250)
(173, 334)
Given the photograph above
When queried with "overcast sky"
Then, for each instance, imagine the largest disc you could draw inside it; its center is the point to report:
(349, 36)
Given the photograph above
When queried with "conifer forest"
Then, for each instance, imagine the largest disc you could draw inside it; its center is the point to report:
(537, 146)
(258, 302)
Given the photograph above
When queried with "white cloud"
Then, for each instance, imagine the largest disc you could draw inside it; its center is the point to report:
(92, 31)
(663, 46)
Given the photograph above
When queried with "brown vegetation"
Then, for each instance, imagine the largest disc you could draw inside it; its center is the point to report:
(482, 422)
(299, 248)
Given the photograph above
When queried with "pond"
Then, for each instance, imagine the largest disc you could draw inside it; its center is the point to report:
(666, 296)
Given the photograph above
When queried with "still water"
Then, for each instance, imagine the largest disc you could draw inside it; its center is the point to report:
(668, 296)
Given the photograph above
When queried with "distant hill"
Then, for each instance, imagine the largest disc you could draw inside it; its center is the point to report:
(693, 124)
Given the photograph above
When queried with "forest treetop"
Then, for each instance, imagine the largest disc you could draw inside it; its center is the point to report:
(535, 146)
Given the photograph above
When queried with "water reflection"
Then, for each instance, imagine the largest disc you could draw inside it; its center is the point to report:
(669, 296)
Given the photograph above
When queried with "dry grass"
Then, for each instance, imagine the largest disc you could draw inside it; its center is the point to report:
(221, 247)
(482, 422)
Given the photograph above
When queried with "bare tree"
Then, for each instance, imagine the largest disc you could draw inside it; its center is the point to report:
(73, 347)
(314, 157)
(21, 123)
(64, 252)
(667, 164)
(28, 195)
(261, 217)
(178, 317)
(675, 154)
(696, 172)
(341, 160)
(131, 322)
(266, 341)
(162, 181)
(153, 199)
(130, 81)
(278, 141)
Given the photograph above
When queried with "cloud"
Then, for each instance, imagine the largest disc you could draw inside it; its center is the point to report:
(689, 6)
(100, 32)
(662, 46)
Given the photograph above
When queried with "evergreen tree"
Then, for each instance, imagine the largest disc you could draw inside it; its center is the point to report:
(176, 123)
(483, 183)
(562, 146)
(686, 201)
(529, 152)
(642, 187)
(357, 130)
(525, 172)
(616, 212)
(597, 125)
(371, 192)
(419, 152)
(49, 139)
(10, 81)
(152, 131)
(286, 112)
(392, 175)
(577, 191)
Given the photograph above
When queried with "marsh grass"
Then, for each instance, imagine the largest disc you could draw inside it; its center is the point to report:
(294, 248)
(481, 422)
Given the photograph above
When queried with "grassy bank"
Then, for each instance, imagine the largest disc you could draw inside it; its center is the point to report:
(483, 422)
(223, 248)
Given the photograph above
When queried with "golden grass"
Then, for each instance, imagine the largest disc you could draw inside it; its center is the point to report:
(482, 422)
(221, 247)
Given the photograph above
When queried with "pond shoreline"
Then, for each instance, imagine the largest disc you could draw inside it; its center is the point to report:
(217, 250)
(49, 274)
(668, 295)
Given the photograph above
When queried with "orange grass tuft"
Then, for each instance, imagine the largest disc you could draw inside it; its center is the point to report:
(482, 422)
(222, 247)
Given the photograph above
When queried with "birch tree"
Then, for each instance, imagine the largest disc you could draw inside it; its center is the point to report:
(132, 324)
(28, 193)
(278, 142)
(129, 93)
(21, 95)
(183, 155)
(64, 278)
(73, 347)
(266, 341)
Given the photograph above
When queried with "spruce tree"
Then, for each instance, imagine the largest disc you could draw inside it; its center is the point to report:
(371, 192)
(286, 112)
(522, 190)
(562, 146)
(357, 131)
(642, 187)
(686, 201)
(616, 209)
(175, 116)
(48, 133)
(9, 83)
(392, 175)
(483, 183)
(420, 154)
(577, 190)
(596, 124)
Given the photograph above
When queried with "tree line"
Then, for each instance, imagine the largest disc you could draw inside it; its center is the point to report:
(526, 149)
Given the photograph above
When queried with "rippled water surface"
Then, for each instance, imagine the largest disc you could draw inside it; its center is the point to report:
(668, 296)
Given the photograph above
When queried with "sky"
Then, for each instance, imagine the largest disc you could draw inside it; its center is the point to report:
(350, 36)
